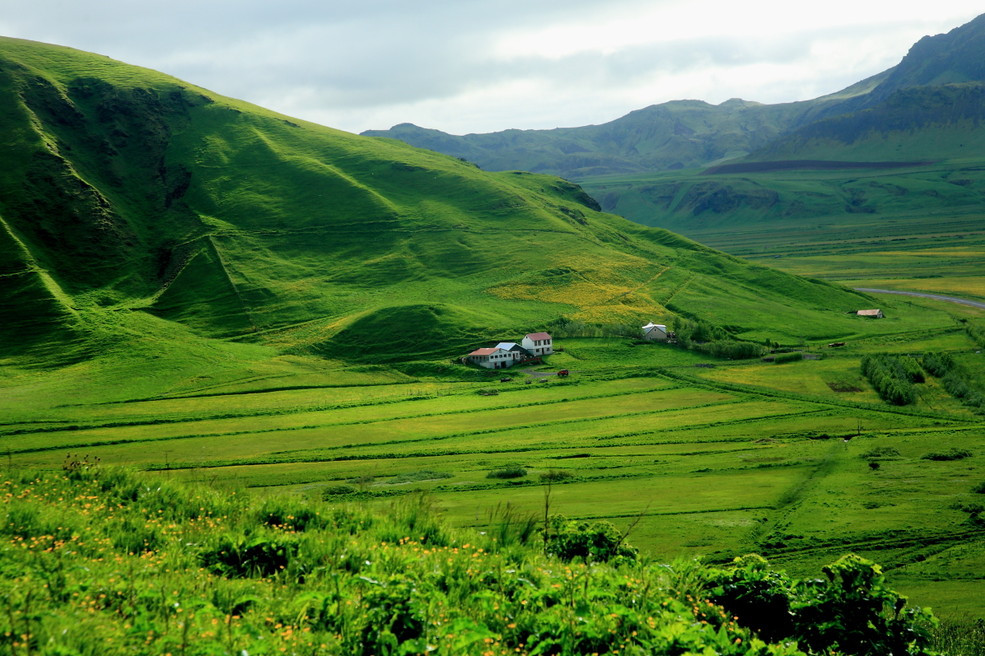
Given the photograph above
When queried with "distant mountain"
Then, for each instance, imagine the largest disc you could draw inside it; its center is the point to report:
(937, 85)
(134, 206)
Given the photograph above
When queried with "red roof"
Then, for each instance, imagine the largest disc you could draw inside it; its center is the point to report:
(539, 336)
(484, 351)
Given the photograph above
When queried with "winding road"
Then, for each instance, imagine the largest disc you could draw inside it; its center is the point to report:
(939, 297)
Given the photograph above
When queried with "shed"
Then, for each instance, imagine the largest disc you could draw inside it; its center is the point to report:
(655, 332)
(875, 314)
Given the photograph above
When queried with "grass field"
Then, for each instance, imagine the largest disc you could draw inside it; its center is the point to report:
(918, 229)
(697, 456)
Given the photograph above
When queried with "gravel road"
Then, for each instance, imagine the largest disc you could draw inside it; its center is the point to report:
(939, 297)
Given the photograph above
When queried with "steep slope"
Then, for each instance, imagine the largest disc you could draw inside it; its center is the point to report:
(124, 191)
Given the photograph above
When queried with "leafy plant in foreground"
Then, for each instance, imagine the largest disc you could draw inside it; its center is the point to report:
(850, 611)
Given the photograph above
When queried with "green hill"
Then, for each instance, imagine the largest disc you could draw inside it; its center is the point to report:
(904, 142)
(129, 197)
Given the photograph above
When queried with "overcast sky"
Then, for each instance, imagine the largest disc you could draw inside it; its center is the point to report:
(484, 65)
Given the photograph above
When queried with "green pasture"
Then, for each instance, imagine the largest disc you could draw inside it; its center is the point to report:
(694, 456)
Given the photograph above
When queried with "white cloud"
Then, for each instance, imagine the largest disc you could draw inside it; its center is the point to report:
(482, 65)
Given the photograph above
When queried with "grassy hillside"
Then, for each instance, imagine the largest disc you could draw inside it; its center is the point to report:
(125, 192)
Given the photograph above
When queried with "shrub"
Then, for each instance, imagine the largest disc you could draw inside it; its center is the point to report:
(423, 475)
(979, 489)
(881, 452)
(556, 475)
(290, 513)
(937, 364)
(337, 491)
(596, 541)
(241, 557)
(781, 358)
(732, 350)
(893, 376)
(850, 611)
(509, 471)
(950, 454)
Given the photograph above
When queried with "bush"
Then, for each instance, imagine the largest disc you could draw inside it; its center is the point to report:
(596, 542)
(937, 364)
(951, 454)
(509, 471)
(850, 611)
(881, 452)
(893, 376)
(241, 557)
(337, 491)
(732, 350)
(413, 477)
(556, 475)
(781, 358)
(979, 489)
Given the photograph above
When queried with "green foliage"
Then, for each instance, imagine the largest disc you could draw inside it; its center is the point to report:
(714, 340)
(510, 526)
(731, 349)
(937, 364)
(221, 584)
(950, 454)
(689, 331)
(510, 471)
(556, 476)
(893, 376)
(242, 556)
(956, 379)
(976, 332)
(851, 611)
(881, 452)
(587, 541)
(782, 358)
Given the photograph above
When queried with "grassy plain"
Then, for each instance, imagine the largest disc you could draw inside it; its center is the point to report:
(696, 456)
(918, 229)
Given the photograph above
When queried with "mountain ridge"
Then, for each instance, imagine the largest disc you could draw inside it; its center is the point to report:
(693, 134)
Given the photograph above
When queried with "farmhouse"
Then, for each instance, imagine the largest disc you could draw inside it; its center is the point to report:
(538, 344)
(507, 354)
(491, 358)
(513, 349)
(875, 314)
(656, 332)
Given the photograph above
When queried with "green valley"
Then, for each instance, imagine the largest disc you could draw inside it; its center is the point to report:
(200, 292)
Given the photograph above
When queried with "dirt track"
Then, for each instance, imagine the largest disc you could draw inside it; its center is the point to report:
(939, 297)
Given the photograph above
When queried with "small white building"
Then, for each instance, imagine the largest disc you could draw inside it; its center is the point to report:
(538, 344)
(655, 332)
(875, 314)
(492, 358)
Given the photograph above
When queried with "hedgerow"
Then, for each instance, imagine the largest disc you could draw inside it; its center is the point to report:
(893, 377)
(955, 379)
